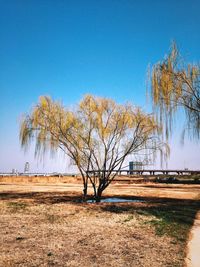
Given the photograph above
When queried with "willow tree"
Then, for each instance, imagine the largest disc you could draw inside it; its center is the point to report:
(97, 135)
(175, 86)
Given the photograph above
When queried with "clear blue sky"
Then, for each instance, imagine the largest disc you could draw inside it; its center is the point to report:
(68, 48)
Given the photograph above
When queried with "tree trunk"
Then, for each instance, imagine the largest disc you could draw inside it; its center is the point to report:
(84, 193)
(85, 187)
(98, 196)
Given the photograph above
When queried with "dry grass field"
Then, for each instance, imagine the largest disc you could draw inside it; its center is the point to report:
(45, 224)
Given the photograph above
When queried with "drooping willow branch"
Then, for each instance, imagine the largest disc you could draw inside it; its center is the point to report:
(174, 86)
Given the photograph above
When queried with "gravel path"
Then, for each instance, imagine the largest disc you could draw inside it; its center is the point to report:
(193, 257)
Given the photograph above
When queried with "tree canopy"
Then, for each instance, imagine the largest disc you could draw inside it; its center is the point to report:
(97, 135)
(175, 85)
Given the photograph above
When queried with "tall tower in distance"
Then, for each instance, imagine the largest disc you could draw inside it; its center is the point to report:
(26, 167)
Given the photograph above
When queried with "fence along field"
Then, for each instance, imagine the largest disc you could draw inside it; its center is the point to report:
(124, 175)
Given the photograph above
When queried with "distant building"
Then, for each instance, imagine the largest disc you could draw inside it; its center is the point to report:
(135, 165)
(14, 172)
(26, 167)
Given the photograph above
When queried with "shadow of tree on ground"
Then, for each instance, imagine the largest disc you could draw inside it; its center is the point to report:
(170, 216)
(42, 197)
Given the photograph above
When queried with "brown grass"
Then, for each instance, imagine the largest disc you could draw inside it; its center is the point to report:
(46, 225)
(39, 179)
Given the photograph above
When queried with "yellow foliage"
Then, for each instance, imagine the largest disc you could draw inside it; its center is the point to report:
(96, 131)
(174, 85)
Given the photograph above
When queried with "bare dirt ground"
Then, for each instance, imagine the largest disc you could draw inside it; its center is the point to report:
(47, 225)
